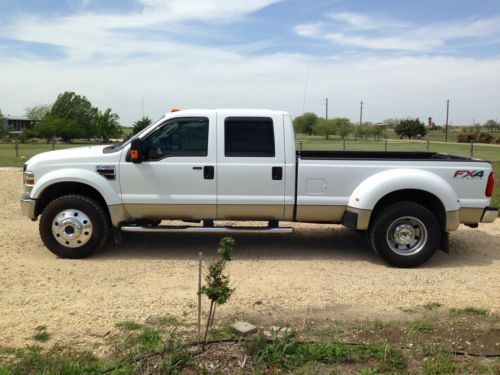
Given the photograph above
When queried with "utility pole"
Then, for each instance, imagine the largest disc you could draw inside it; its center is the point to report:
(446, 126)
(361, 113)
(326, 108)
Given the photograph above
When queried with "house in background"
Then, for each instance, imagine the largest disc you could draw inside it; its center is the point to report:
(18, 123)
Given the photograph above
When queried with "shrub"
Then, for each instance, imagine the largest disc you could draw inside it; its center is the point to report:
(467, 137)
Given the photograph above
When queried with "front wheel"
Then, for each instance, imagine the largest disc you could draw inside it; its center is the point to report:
(405, 234)
(73, 226)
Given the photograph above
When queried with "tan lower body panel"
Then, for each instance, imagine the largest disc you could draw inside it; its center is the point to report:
(250, 212)
(315, 214)
(452, 220)
(201, 211)
(117, 214)
(171, 211)
(363, 217)
(471, 215)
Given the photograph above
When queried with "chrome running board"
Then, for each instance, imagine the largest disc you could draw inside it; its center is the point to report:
(181, 229)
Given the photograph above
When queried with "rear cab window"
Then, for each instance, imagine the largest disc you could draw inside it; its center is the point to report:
(249, 137)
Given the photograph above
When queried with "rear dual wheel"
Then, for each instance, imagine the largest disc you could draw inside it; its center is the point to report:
(73, 226)
(405, 234)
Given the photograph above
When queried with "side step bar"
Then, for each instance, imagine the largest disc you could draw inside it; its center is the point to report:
(181, 229)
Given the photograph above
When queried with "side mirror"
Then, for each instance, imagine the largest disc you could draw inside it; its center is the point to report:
(135, 151)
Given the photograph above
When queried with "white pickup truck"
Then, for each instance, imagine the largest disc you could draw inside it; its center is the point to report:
(206, 165)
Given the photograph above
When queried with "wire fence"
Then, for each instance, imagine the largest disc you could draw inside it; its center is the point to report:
(465, 149)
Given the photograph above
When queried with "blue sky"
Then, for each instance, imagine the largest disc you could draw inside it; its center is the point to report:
(402, 58)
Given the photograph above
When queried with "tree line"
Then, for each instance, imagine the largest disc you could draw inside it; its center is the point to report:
(310, 124)
(71, 116)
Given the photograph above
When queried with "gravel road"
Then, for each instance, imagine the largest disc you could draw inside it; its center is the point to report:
(318, 271)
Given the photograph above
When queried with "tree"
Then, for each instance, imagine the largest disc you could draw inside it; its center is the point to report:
(78, 109)
(108, 125)
(491, 125)
(364, 131)
(51, 126)
(217, 287)
(141, 124)
(37, 112)
(3, 129)
(325, 127)
(305, 124)
(410, 128)
(343, 127)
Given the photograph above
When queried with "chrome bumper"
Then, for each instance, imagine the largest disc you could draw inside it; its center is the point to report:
(489, 215)
(28, 207)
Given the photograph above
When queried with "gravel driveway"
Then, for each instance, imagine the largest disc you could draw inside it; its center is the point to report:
(318, 271)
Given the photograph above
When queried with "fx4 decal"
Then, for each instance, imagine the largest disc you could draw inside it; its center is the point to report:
(468, 174)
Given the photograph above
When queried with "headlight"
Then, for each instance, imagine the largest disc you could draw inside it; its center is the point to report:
(28, 182)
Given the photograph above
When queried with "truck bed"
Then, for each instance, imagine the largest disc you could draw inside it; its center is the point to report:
(381, 155)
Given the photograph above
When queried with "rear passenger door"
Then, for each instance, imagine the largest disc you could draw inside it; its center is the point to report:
(250, 167)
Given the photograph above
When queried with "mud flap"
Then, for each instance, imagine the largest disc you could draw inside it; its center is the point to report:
(117, 235)
(444, 243)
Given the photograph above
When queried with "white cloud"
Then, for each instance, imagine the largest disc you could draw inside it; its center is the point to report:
(117, 59)
(363, 22)
(122, 34)
(364, 31)
(211, 78)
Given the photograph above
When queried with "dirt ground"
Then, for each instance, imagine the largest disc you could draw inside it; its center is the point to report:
(319, 271)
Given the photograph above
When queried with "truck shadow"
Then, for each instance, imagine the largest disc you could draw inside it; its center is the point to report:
(331, 243)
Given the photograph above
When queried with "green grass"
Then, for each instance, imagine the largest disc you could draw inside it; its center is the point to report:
(432, 306)
(26, 151)
(469, 310)
(128, 326)
(422, 327)
(41, 334)
(288, 353)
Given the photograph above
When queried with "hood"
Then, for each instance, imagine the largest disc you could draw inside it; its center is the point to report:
(77, 155)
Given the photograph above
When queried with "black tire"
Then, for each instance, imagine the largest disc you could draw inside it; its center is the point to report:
(90, 226)
(405, 234)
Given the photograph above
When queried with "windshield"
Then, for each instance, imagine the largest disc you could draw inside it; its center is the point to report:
(125, 143)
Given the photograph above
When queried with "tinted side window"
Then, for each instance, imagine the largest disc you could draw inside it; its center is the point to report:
(178, 137)
(249, 136)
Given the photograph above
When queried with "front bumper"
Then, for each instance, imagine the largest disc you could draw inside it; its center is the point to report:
(489, 215)
(28, 207)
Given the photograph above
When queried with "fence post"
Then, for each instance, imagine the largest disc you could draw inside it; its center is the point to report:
(300, 146)
(17, 145)
(343, 144)
(471, 149)
(200, 260)
(428, 146)
(385, 145)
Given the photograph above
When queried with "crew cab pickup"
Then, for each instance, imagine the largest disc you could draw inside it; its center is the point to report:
(228, 164)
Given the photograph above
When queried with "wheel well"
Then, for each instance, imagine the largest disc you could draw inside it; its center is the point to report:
(424, 198)
(64, 188)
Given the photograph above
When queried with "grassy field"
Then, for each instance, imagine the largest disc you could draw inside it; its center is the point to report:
(486, 152)
(423, 346)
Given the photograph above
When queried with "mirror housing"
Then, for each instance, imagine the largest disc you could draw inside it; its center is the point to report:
(135, 151)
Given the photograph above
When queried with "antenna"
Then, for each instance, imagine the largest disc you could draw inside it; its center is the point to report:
(305, 90)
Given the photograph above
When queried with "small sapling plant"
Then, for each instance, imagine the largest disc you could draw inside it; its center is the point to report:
(217, 287)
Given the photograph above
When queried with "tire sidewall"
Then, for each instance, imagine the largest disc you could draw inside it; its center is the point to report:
(87, 206)
(378, 234)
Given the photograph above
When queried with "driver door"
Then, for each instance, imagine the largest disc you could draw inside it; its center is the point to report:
(176, 179)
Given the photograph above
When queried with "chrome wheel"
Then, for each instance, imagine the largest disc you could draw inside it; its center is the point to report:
(407, 236)
(72, 228)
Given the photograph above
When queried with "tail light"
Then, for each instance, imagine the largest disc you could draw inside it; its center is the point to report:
(490, 185)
